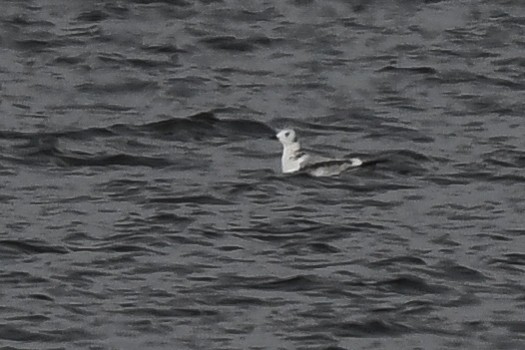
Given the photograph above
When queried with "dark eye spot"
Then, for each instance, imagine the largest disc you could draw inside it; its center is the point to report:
(287, 134)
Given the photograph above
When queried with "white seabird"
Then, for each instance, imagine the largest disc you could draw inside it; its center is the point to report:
(295, 160)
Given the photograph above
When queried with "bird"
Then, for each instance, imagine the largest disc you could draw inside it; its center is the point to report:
(295, 160)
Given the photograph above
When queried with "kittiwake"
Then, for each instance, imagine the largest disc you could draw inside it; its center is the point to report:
(294, 159)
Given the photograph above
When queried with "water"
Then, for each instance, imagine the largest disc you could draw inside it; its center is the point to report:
(142, 205)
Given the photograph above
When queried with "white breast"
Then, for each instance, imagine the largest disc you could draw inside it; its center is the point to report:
(290, 162)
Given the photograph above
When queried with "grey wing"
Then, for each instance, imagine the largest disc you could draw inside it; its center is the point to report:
(311, 159)
(330, 167)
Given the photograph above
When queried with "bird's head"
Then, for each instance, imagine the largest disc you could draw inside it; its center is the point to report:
(287, 137)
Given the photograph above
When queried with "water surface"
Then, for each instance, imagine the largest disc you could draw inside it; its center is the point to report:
(141, 200)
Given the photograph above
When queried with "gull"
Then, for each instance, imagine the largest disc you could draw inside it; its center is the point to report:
(294, 159)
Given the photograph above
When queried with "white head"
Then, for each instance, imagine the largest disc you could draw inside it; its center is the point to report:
(287, 137)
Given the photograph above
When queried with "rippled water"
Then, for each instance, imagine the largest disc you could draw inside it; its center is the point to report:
(142, 205)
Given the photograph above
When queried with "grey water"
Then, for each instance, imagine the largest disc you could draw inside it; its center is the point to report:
(142, 204)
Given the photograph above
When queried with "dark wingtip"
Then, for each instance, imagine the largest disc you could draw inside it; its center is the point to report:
(373, 162)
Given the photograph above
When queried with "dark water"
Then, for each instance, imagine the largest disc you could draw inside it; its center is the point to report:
(142, 205)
